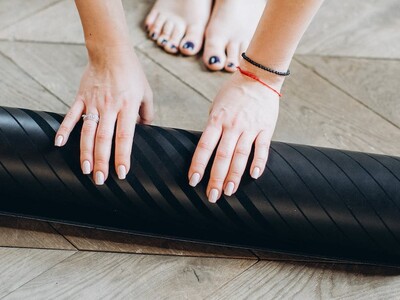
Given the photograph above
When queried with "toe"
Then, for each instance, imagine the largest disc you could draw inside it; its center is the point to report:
(176, 38)
(165, 34)
(156, 28)
(232, 57)
(193, 40)
(214, 56)
(151, 17)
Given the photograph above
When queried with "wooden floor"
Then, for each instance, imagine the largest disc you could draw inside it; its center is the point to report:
(344, 93)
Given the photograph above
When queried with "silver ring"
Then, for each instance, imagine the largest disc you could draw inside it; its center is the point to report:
(91, 117)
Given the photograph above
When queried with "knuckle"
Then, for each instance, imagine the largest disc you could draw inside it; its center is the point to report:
(199, 165)
(242, 151)
(260, 161)
(124, 134)
(86, 153)
(103, 135)
(263, 143)
(203, 145)
(64, 128)
(222, 154)
(235, 173)
(101, 161)
(216, 181)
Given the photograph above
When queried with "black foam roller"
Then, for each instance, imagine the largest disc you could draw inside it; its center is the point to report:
(311, 201)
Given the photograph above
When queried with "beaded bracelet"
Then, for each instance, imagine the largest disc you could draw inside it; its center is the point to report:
(287, 73)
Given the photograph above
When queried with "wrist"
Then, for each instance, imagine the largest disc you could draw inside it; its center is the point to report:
(109, 54)
(275, 81)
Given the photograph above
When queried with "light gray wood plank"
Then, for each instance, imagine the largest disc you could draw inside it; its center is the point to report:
(19, 89)
(18, 232)
(13, 11)
(59, 68)
(279, 280)
(60, 23)
(374, 82)
(313, 111)
(354, 28)
(19, 266)
(99, 240)
(91, 275)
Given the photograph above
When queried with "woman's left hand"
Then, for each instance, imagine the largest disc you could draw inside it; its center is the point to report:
(244, 112)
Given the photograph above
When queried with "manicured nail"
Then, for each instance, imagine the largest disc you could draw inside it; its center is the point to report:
(86, 167)
(121, 172)
(188, 45)
(163, 42)
(256, 173)
(194, 179)
(212, 197)
(59, 141)
(229, 188)
(214, 60)
(99, 178)
(230, 65)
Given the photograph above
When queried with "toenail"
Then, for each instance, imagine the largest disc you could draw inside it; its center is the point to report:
(153, 35)
(146, 28)
(230, 65)
(188, 45)
(164, 41)
(214, 60)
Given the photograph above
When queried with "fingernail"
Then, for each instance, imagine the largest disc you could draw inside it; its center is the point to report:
(194, 179)
(212, 197)
(164, 41)
(121, 172)
(256, 173)
(229, 188)
(230, 65)
(86, 167)
(188, 45)
(59, 141)
(214, 60)
(99, 178)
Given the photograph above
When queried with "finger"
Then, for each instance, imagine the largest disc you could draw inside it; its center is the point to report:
(222, 161)
(71, 118)
(239, 162)
(146, 111)
(261, 153)
(123, 142)
(88, 134)
(102, 148)
(205, 147)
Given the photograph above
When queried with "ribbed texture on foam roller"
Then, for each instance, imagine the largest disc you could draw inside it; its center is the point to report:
(310, 200)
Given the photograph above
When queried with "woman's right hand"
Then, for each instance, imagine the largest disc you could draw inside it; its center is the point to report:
(114, 87)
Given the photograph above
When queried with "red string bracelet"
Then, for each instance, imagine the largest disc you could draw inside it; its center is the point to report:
(253, 76)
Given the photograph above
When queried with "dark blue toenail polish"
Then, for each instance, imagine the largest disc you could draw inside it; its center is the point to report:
(188, 45)
(153, 35)
(214, 60)
(230, 65)
(164, 41)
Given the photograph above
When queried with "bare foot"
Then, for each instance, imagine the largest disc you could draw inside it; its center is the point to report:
(179, 25)
(228, 34)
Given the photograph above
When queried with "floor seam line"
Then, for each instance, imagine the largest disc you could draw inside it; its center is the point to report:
(345, 92)
(34, 79)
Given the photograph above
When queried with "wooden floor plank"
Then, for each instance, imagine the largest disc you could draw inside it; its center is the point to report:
(354, 28)
(18, 89)
(60, 23)
(313, 111)
(18, 232)
(99, 240)
(374, 82)
(281, 280)
(60, 67)
(13, 11)
(19, 266)
(91, 275)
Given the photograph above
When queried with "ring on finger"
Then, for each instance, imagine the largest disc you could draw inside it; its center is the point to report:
(91, 117)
